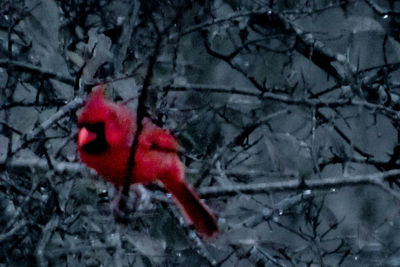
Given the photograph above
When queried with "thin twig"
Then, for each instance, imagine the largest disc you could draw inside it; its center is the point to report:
(216, 191)
(141, 110)
(26, 67)
(296, 185)
(381, 11)
(313, 103)
(65, 110)
(47, 232)
(12, 232)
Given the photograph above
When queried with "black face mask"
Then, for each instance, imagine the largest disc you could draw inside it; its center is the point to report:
(99, 145)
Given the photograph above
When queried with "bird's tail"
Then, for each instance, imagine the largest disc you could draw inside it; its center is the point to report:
(195, 211)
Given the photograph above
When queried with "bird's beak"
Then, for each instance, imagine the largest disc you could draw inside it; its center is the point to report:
(85, 137)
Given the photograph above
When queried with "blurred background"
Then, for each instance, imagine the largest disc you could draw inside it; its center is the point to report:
(288, 112)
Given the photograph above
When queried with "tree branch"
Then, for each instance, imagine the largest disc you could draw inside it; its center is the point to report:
(65, 110)
(215, 191)
(296, 185)
(141, 110)
(47, 232)
(313, 103)
(26, 67)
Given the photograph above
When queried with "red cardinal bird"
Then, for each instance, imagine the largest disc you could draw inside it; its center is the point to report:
(106, 133)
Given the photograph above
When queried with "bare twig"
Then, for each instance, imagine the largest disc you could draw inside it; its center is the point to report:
(47, 232)
(15, 229)
(141, 110)
(313, 103)
(41, 165)
(124, 40)
(295, 185)
(211, 22)
(292, 184)
(381, 11)
(26, 67)
(81, 169)
(65, 110)
(19, 210)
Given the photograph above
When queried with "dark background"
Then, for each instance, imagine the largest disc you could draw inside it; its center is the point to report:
(288, 112)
